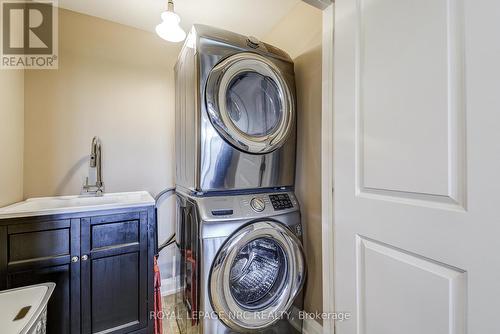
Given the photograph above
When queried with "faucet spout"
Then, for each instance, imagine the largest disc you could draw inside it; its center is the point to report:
(98, 164)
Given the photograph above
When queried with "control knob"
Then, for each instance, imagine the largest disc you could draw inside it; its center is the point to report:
(258, 204)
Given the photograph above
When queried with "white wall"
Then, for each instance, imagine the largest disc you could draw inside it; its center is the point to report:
(115, 82)
(11, 136)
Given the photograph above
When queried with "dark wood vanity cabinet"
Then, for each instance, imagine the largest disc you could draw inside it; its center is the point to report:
(102, 264)
(37, 252)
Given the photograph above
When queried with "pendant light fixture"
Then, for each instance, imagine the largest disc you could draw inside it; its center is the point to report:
(169, 29)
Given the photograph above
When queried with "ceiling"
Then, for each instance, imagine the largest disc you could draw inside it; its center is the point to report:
(249, 17)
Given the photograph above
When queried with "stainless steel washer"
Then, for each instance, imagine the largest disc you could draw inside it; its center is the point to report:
(235, 113)
(242, 265)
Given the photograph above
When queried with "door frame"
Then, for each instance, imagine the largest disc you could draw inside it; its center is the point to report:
(327, 159)
(327, 167)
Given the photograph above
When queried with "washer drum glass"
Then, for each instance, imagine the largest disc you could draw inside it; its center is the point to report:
(258, 273)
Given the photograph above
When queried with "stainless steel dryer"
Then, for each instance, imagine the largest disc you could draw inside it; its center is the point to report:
(242, 265)
(235, 113)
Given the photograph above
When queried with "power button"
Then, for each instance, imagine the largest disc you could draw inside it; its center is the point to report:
(258, 204)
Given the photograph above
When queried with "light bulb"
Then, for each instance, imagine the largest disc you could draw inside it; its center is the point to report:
(170, 29)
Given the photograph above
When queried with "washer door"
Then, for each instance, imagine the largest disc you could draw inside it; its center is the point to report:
(256, 276)
(249, 103)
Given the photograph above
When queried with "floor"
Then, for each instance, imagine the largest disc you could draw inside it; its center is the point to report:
(169, 323)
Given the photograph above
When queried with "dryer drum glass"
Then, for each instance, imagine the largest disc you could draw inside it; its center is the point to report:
(254, 103)
(258, 273)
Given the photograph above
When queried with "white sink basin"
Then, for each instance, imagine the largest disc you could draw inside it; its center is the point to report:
(41, 206)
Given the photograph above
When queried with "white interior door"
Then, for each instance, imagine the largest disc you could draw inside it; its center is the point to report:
(417, 165)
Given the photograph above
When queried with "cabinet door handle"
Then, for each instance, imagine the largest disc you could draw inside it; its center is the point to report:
(74, 259)
(85, 257)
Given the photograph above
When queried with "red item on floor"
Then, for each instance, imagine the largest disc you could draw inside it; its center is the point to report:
(157, 297)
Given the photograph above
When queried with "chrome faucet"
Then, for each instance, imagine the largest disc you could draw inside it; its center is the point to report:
(96, 189)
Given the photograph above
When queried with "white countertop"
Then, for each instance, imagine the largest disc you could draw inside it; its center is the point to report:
(41, 206)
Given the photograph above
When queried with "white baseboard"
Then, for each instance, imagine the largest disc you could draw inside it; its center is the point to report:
(168, 286)
(310, 326)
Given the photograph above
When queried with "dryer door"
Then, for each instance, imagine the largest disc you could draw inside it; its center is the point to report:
(256, 276)
(250, 103)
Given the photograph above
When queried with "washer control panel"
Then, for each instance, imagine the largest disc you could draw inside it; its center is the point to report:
(258, 204)
(281, 201)
(247, 206)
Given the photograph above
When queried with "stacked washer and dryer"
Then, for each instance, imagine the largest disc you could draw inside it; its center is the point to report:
(239, 233)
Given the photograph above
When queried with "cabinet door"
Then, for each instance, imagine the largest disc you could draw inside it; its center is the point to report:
(114, 277)
(40, 253)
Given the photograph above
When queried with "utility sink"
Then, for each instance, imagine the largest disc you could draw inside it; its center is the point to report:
(41, 206)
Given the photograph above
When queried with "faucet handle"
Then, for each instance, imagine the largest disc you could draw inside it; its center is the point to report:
(86, 186)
